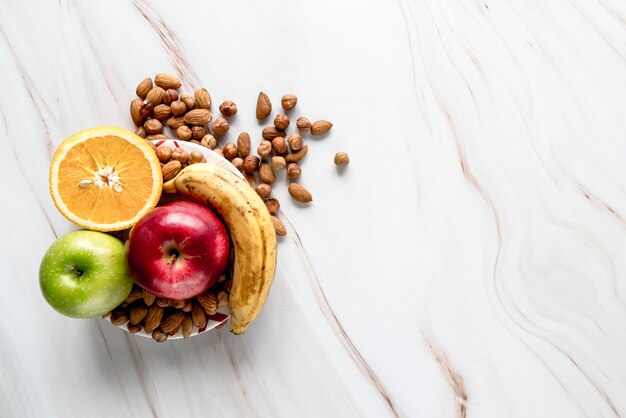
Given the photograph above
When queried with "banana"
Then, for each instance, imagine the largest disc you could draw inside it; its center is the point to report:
(251, 230)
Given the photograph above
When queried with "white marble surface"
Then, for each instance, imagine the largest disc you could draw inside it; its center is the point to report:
(471, 261)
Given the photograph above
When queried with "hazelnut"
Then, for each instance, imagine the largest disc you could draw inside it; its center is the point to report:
(230, 151)
(293, 171)
(272, 205)
(178, 108)
(295, 142)
(263, 190)
(208, 141)
(264, 149)
(288, 101)
(140, 132)
(153, 126)
(194, 141)
(342, 159)
(303, 124)
(280, 145)
(170, 96)
(219, 152)
(180, 154)
(183, 133)
(281, 121)
(198, 131)
(238, 163)
(251, 164)
(189, 100)
(220, 126)
(196, 157)
(164, 153)
(146, 109)
(278, 163)
(228, 108)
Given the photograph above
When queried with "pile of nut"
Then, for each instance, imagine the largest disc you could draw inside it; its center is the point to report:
(189, 115)
(163, 318)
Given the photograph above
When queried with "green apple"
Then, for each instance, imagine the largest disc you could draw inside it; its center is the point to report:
(84, 274)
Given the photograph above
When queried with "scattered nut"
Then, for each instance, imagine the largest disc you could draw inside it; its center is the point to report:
(198, 131)
(156, 136)
(178, 108)
(279, 227)
(230, 151)
(189, 100)
(198, 316)
(299, 193)
(137, 313)
(303, 124)
(279, 145)
(293, 171)
(263, 190)
(294, 157)
(144, 87)
(219, 152)
(180, 154)
(220, 126)
(342, 159)
(288, 101)
(171, 169)
(264, 149)
(135, 112)
(164, 153)
(119, 317)
(272, 205)
(155, 96)
(148, 297)
(140, 132)
(320, 127)
(198, 116)
(146, 109)
(228, 108)
(153, 126)
(243, 144)
(278, 162)
(167, 81)
(153, 319)
(161, 112)
(183, 133)
(203, 98)
(187, 326)
(271, 132)
(159, 336)
(170, 96)
(238, 163)
(172, 322)
(196, 157)
(208, 141)
(263, 106)
(251, 164)
(295, 142)
(266, 173)
(175, 122)
(281, 121)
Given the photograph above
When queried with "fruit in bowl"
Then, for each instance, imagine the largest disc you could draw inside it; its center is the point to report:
(178, 250)
(84, 274)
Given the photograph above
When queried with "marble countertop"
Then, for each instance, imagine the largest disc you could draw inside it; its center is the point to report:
(470, 262)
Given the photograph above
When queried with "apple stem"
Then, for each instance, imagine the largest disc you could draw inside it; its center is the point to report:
(75, 271)
(172, 258)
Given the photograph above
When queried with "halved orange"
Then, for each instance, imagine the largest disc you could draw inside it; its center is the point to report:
(105, 178)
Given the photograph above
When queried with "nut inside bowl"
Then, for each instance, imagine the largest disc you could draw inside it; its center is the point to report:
(220, 318)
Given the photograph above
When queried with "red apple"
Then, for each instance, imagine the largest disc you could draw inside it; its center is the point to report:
(178, 250)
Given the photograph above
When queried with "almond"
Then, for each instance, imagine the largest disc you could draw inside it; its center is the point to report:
(143, 88)
(137, 313)
(188, 306)
(288, 101)
(263, 106)
(148, 298)
(198, 117)
(167, 81)
(172, 322)
(273, 205)
(203, 98)
(208, 301)
(279, 227)
(320, 127)
(178, 303)
(134, 296)
(243, 144)
(155, 96)
(270, 132)
(153, 318)
(119, 317)
(266, 173)
(161, 112)
(294, 157)
(135, 112)
(187, 326)
(134, 328)
(299, 193)
(170, 170)
(198, 317)
(175, 122)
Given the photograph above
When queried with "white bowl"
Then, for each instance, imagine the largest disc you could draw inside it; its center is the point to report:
(211, 157)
